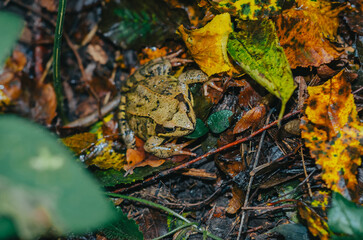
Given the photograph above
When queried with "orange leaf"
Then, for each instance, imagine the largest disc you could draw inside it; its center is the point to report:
(333, 133)
(208, 45)
(303, 35)
(152, 53)
(79, 142)
(250, 119)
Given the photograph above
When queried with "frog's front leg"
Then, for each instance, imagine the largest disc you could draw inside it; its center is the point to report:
(197, 76)
(156, 146)
(127, 134)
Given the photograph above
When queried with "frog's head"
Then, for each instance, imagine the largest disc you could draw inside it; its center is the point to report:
(181, 124)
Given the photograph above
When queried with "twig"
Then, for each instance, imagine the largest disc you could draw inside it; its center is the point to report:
(167, 172)
(306, 173)
(92, 118)
(271, 208)
(251, 178)
(56, 58)
(189, 206)
(358, 90)
(168, 210)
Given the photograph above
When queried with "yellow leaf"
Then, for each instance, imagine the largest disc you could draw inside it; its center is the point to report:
(333, 133)
(208, 45)
(108, 158)
(248, 9)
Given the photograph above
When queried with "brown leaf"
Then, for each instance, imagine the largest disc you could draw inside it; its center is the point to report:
(250, 119)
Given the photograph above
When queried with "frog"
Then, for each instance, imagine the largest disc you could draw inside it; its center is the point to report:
(158, 107)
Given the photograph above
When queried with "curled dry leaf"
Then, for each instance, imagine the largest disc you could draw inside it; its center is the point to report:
(333, 133)
(250, 119)
(208, 45)
(305, 33)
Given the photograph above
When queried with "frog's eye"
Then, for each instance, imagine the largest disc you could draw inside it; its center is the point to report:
(169, 129)
(161, 129)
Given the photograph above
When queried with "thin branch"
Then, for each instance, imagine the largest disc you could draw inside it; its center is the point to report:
(182, 166)
(252, 177)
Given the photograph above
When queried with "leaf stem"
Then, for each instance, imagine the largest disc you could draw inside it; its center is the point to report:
(56, 57)
(168, 210)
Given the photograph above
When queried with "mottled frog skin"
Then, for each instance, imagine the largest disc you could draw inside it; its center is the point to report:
(157, 106)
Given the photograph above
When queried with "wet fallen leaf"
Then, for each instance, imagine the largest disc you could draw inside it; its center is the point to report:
(302, 37)
(256, 49)
(208, 44)
(333, 133)
(317, 225)
(250, 119)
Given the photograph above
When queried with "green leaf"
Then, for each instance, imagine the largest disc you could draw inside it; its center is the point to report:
(10, 27)
(199, 131)
(7, 228)
(255, 47)
(292, 231)
(345, 218)
(123, 228)
(219, 121)
(42, 186)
